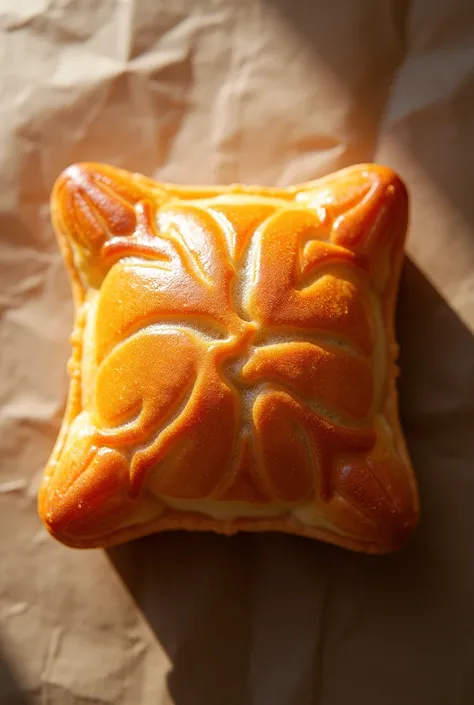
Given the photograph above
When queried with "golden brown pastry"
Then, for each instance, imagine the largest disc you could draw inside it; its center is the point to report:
(233, 363)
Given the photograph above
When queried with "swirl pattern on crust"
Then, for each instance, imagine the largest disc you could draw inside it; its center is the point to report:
(233, 361)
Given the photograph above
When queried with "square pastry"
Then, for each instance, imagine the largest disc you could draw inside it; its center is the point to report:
(234, 360)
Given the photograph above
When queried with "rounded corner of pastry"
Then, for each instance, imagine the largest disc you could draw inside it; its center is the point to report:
(233, 360)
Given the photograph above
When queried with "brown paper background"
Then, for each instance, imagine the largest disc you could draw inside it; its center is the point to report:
(270, 91)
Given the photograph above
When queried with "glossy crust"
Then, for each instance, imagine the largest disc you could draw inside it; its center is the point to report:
(234, 360)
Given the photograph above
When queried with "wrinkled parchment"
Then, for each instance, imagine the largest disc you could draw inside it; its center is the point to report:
(274, 92)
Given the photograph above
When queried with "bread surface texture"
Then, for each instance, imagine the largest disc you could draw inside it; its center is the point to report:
(234, 360)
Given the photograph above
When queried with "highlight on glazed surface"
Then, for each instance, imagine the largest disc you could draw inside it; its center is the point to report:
(233, 361)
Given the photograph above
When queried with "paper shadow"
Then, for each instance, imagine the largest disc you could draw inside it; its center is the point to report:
(11, 692)
(222, 607)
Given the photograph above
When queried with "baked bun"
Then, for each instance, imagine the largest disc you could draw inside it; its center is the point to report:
(234, 360)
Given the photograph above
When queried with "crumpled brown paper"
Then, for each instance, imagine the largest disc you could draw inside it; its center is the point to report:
(270, 91)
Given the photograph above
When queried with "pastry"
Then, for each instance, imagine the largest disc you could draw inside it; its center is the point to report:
(233, 360)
